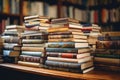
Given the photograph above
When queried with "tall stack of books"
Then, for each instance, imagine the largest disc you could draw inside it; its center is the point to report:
(107, 53)
(67, 48)
(33, 41)
(1, 46)
(12, 43)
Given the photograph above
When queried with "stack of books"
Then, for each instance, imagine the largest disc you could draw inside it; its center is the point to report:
(1, 46)
(33, 41)
(12, 43)
(67, 48)
(107, 53)
(92, 31)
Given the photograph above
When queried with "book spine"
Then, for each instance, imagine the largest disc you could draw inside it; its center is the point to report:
(59, 36)
(63, 50)
(12, 40)
(28, 58)
(33, 41)
(36, 49)
(63, 55)
(39, 54)
(58, 29)
(117, 56)
(63, 64)
(61, 45)
(108, 44)
(61, 40)
(31, 64)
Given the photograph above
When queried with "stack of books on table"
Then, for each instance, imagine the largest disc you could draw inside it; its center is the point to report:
(1, 52)
(107, 53)
(67, 48)
(92, 31)
(33, 41)
(12, 43)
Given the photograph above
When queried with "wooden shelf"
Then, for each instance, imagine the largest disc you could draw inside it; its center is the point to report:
(93, 75)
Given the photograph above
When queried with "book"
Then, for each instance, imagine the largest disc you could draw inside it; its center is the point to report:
(31, 64)
(67, 55)
(70, 70)
(109, 61)
(11, 53)
(81, 60)
(68, 40)
(66, 45)
(33, 41)
(80, 66)
(66, 36)
(33, 45)
(68, 50)
(104, 55)
(35, 49)
(32, 53)
(28, 58)
(107, 44)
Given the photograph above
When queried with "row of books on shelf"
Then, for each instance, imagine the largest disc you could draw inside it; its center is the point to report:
(10, 6)
(62, 44)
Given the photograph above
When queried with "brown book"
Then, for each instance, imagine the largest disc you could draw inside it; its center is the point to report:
(36, 49)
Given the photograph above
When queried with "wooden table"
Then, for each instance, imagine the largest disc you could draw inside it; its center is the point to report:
(92, 75)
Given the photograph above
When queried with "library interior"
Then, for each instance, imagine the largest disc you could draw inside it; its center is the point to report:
(59, 39)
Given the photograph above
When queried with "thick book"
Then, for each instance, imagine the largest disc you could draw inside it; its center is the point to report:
(107, 51)
(30, 64)
(70, 70)
(116, 56)
(80, 66)
(66, 33)
(33, 45)
(33, 41)
(66, 36)
(9, 46)
(11, 39)
(35, 49)
(69, 50)
(32, 53)
(67, 45)
(67, 55)
(67, 40)
(28, 58)
(80, 60)
(108, 44)
(109, 61)
(11, 53)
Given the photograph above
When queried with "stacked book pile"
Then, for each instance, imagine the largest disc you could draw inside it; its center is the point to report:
(33, 41)
(107, 53)
(92, 31)
(1, 46)
(67, 48)
(12, 43)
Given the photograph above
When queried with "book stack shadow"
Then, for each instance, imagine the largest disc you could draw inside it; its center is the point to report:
(33, 41)
(107, 53)
(67, 48)
(12, 43)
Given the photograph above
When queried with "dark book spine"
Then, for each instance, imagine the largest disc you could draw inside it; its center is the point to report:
(29, 58)
(62, 64)
(108, 55)
(108, 38)
(63, 55)
(63, 50)
(60, 33)
(12, 40)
